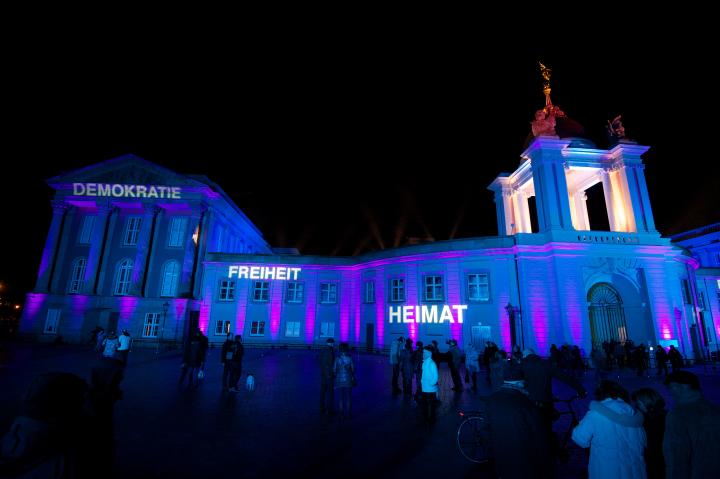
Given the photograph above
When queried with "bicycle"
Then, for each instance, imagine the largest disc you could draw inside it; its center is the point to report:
(473, 437)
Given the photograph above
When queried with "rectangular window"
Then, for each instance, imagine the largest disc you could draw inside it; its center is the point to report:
(292, 329)
(295, 292)
(327, 330)
(397, 290)
(227, 290)
(176, 232)
(222, 328)
(257, 328)
(701, 300)
(132, 231)
(687, 298)
(433, 290)
(328, 293)
(478, 287)
(86, 230)
(51, 321)
(152, 325)
(369, 292)
(261, 291)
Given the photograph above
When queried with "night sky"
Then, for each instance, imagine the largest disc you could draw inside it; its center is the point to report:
(338, 149)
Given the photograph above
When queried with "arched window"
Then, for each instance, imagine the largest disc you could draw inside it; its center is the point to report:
(77, 275)
(123, 277)
(170, 272)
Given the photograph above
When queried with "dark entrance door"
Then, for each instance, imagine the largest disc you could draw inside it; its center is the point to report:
(607, 316)
(113, 321)
(192, 324)
(370, 337)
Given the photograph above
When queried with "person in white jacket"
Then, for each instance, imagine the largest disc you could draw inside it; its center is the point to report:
(429, 385)
(613, 431)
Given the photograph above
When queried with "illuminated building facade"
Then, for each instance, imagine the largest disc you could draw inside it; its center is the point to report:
(135, 246)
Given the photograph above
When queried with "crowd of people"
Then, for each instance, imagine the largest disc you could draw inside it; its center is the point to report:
(628, 435)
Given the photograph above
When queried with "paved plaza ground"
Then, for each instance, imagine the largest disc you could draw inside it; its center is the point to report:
(276, 431)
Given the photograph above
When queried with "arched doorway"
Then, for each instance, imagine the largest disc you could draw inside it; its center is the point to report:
(607, 318)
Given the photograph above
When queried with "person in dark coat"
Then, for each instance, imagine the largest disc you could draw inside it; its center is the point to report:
(238, 351)
(517, 437)
(652, 405)
(49, 437)
(226, 355)
(676, 359)
(691, 443)
(407, 367)
(327, 365)
(539, 374)
(661, 359)
(194, 355)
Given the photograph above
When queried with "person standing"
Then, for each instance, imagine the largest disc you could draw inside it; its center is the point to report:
(652, 405)
(344, 372)
(226, 355)
(327, 363)
(691, 444)
(676, 359)
(407, 367)
(238, 352)
(613, 431)
(472, 364)
(539, 374)
(123, 349)
(429, 385)
(454, 362)
(193, 358)
(395, 348)
(517, 437)
(110, 346)
(661, 359)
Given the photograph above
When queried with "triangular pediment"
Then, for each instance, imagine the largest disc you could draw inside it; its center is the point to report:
(128, 170)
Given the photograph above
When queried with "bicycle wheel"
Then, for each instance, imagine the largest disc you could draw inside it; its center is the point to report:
(473, 439)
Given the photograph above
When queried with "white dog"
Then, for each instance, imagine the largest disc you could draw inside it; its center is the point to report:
(250, 383)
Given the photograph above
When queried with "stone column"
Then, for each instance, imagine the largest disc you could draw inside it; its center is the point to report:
(551, 191)
(97, 245)
(108, 244)
(157, 216)
(201, 250)
(47, 263)
(609, 204)
(64, 240)
(143, 247)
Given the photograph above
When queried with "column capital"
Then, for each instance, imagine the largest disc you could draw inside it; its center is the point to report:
(59, 206)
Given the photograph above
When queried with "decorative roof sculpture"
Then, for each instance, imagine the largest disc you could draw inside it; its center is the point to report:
(551, 120)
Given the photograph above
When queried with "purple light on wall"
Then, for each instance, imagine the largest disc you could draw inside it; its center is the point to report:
(34, 303)
(241, 312)
(380, 309)
(412, 299)
(276, 304)
(204, 316)
(311, 285)
(454, 283)
(357, 309)
(659, 295)
(573, 304)
(348, 293)
(536, 293)
(127, 306)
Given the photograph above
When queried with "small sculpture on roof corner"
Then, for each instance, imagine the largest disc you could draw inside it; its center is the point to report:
(616, 130)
